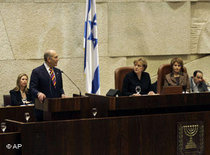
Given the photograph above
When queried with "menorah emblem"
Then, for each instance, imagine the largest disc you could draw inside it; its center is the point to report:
(190, 131)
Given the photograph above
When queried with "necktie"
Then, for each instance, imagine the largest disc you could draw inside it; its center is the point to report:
(52, 74)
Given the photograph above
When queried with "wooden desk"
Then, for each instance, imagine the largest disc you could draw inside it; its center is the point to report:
(114, 106)
(16, 113)
(154, 134)
(147, 125)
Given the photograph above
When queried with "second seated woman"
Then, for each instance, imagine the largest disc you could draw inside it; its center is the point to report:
(137, 78)
(177, 77)
(21, 95)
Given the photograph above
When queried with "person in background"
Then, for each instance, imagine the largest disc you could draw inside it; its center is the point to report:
(197, 83)
(138, 81)
(46, 81)
(177, 76)
(21, 95)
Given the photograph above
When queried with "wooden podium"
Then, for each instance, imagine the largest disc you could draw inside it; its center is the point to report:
(63, 108)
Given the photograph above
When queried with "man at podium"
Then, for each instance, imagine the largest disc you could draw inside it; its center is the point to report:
(46, 80)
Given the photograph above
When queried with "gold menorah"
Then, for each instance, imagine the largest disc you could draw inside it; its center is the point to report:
(190, 131)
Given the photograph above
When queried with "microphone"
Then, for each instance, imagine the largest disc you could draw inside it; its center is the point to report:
(72, 82)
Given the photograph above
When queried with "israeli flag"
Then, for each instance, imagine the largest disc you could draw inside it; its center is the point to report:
(91, 59)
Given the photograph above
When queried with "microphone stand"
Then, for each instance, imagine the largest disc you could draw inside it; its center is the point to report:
(72, 82)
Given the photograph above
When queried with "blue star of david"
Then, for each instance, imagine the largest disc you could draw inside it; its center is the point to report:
(91, 36)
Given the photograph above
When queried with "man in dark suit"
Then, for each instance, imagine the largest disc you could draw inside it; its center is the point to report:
(46, 80)
(197, 83)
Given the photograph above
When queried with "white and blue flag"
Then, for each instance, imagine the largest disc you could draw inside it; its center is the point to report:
(91, 58)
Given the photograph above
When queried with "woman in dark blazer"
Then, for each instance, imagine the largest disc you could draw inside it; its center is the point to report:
(21, 95)
(137, 79)
(177, 77)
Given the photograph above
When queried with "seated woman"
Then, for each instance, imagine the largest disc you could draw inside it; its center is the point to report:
(138, 81)
(21, 95)
(177, 77)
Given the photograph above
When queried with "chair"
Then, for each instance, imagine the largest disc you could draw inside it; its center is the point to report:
(119, 76)
(7, 100)
(162, 71)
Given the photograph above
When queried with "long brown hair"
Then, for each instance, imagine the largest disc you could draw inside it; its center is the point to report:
(17, 88)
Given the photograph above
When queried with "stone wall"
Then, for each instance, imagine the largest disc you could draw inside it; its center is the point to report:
(127, 29)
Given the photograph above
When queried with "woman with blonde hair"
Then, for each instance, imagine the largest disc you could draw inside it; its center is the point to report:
(138, 81)
(21, 95)
(177, 77)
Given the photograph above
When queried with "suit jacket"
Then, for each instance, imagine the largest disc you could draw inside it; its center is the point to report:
(41, 82)
(16, 98)
(170, 80)
(201, 87)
